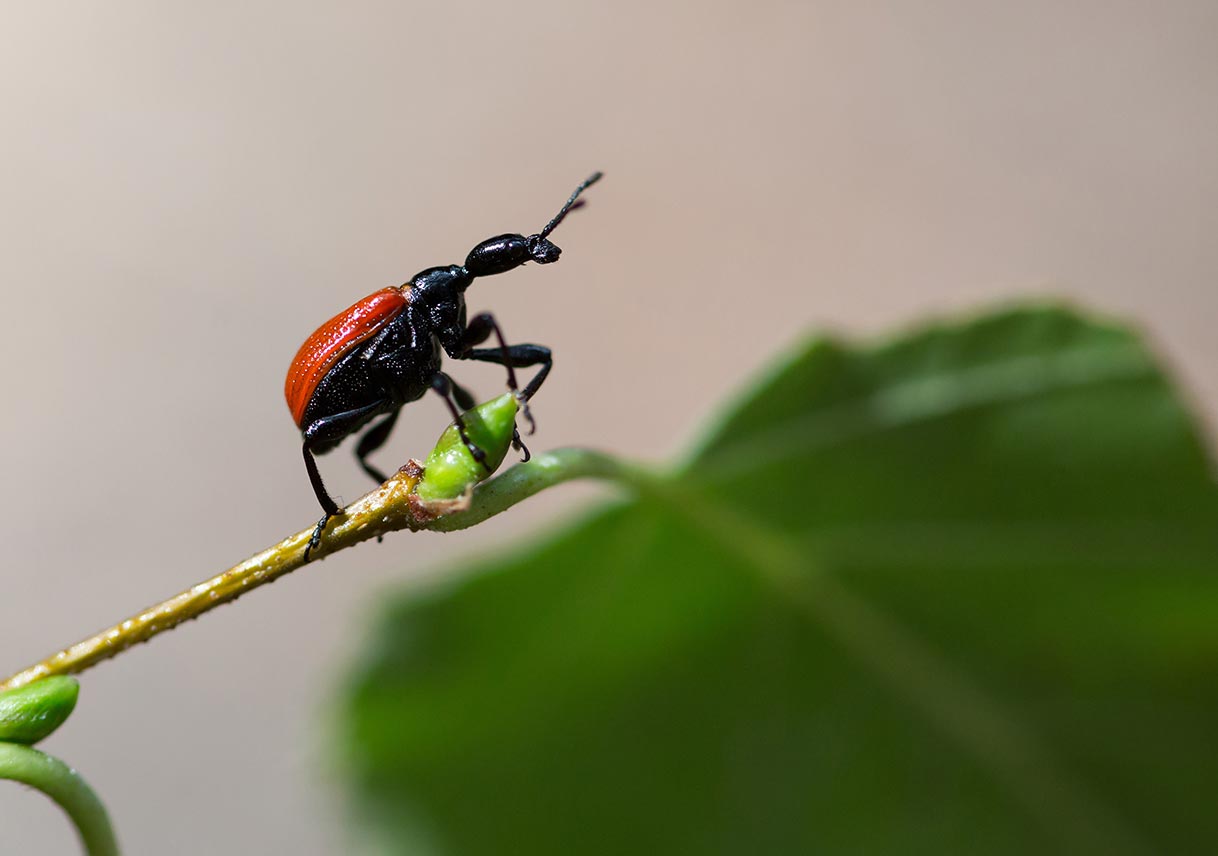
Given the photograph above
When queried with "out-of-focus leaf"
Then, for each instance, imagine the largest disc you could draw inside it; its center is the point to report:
(953, 593)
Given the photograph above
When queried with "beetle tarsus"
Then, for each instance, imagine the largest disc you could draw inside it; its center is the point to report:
(528, 415)
(315, 540)
(520, 447)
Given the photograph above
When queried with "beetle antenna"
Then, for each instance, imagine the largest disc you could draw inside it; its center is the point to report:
(572, 203)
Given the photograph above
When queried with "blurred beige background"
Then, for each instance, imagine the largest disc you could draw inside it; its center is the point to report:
(189, 189)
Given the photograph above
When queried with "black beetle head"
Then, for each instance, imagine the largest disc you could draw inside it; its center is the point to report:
(542, 251)
(504, 252)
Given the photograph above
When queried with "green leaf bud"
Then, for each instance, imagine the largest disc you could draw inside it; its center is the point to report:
(450, 469)
(30, 713)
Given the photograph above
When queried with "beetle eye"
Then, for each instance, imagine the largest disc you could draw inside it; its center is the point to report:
(542, 251)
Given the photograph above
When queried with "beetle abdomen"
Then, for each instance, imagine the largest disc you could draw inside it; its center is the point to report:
(335, 338)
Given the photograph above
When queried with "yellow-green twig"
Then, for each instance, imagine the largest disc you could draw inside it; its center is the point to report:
(390, 507)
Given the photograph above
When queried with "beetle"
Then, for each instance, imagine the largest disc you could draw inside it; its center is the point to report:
(386, 350)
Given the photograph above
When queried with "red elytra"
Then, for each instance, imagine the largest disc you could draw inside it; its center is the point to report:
(335, 338)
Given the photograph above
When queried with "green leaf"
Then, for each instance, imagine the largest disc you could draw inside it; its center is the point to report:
(957, 592)
(30, 713)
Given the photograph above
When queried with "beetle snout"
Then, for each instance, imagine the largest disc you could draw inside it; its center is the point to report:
(542, 251)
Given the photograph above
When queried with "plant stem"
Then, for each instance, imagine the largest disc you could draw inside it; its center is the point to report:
(65, 786)
(545, 470)
(390, 507)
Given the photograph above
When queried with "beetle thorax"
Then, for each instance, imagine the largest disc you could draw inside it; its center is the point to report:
(437, 298)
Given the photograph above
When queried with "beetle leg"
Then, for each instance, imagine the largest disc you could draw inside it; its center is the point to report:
(465, 399)
(372, 440)
(328, 505)
(520, 447)
(520, 356)
(315, 539)
(323, 434)
(443, 385)
(478, 331)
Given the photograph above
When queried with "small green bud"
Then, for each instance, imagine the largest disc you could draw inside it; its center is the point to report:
(30, 713)
(450, 469)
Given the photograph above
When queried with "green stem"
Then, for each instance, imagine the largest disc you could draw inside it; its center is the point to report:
(545, 470)
(65, 786)
(390, 507)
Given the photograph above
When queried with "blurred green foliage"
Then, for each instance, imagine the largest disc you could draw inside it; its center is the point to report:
(956, 592)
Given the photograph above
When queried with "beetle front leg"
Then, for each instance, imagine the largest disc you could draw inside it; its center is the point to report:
(519, 356)
(477, 332)
(443, 385)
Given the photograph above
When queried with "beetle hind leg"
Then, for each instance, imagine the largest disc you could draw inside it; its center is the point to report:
(329, 506)
(321, 436)
(372, 440)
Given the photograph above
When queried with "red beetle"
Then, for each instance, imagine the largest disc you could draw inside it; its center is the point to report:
(386, 350)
